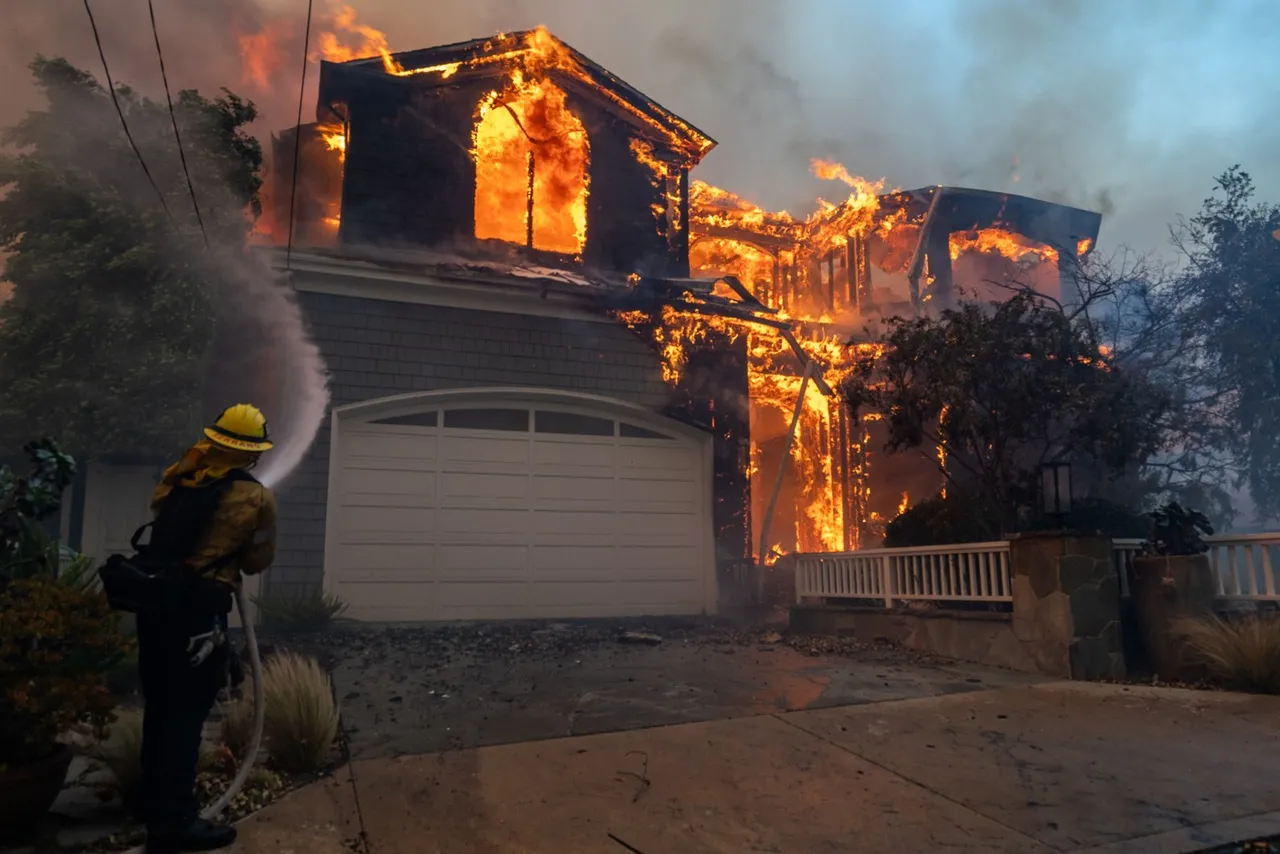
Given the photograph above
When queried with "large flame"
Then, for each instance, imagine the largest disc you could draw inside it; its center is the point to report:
(998, 241)
(531, 157)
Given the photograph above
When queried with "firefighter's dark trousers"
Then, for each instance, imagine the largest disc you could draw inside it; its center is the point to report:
(178, 699)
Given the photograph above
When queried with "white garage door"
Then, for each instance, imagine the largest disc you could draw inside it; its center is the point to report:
(518, 510)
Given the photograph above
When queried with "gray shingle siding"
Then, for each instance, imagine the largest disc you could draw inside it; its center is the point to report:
(376, 348)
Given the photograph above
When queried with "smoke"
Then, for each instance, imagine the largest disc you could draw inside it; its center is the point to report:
(1128, 109)
(262, 352)
(258, 308)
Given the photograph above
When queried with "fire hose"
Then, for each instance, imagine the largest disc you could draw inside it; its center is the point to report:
(259, 712)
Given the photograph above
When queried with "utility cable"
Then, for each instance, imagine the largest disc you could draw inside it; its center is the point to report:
(173, 118)
(297, 133)
(111, 88)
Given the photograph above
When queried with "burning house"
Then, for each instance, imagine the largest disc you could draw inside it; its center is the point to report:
(565, 374)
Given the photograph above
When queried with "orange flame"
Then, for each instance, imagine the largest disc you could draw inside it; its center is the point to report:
(532, 157)
(262, 54)
(997, 241)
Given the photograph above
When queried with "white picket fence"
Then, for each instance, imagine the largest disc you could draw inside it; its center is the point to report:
(973, 572)
(1244, 566)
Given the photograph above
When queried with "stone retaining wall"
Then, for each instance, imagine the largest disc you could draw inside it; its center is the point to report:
(981, 638)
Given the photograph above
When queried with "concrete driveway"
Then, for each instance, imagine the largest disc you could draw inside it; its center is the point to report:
(1028, 769)
(415, 690)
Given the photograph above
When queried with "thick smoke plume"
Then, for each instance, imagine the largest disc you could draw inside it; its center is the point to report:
(261, 352)
(1128, 109)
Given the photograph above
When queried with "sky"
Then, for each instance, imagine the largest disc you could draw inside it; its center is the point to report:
(1126, 107)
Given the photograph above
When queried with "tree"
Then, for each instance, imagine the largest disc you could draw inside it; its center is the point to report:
(1003, 389)
(1228, 299)
(104, 340)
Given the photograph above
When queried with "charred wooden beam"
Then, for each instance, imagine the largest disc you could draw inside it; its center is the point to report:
(938, 253)
(852, 268)
(831, 280)
(917, 257)
(743, 235)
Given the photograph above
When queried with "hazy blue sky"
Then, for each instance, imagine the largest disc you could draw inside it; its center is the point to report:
(1129, 107)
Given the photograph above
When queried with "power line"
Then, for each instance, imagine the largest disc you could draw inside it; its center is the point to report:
(173, 118)
(297, 134)
(111, 87)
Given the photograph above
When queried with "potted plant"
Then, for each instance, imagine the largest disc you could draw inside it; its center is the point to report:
(1172, 581)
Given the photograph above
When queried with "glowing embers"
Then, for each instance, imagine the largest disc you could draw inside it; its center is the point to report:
(531, 157)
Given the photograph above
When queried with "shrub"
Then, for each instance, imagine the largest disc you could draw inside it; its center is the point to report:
(305, 614)
(941, 521)
(237, 722)
(301, 715)
(1179, 531)
(1242, 653)
(57, 645)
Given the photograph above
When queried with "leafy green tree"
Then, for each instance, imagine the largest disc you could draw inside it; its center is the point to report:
(1002, 390)
(104, 340)
(1229, 298)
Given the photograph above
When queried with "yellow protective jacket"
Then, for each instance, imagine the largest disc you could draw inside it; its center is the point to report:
(244, 524)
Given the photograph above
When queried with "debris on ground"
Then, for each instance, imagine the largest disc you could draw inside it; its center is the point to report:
(640, 637)
(514, 641)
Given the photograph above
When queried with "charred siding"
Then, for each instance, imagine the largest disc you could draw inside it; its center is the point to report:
(714, 394)
(410, 179)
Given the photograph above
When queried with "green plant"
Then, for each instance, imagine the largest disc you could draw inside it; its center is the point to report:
(1179, 531)
(942, 521)
(78, 571)
(308, 613)
(301, 715)
(1242, 653)
(56, 646)
(25, 501)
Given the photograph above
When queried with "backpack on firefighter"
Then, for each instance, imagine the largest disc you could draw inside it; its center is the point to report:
(156, 578)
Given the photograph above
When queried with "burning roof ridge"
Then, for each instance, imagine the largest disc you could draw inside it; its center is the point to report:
(471, 51)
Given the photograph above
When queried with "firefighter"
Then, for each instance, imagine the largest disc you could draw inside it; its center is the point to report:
(214, 521)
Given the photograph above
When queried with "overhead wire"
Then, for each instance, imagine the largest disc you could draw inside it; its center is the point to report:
(297, 135)
(111, 88)
(173, 118)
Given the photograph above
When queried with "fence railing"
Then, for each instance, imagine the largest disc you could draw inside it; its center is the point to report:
(971, 572)
(1244, 567)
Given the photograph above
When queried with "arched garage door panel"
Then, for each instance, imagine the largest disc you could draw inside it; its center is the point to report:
(506, 512)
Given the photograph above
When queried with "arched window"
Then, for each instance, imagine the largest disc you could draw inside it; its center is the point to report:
(531, 170)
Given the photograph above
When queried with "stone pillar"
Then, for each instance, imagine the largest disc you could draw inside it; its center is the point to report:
(1066, 604)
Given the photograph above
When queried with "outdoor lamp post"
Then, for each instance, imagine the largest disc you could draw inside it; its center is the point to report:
(1055, 479)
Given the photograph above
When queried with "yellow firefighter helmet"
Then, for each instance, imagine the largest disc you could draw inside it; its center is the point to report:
(242, 427)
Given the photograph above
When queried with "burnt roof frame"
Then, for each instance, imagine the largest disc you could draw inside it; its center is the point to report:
(494, 56)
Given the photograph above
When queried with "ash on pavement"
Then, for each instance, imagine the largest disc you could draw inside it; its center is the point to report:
(420, 689)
